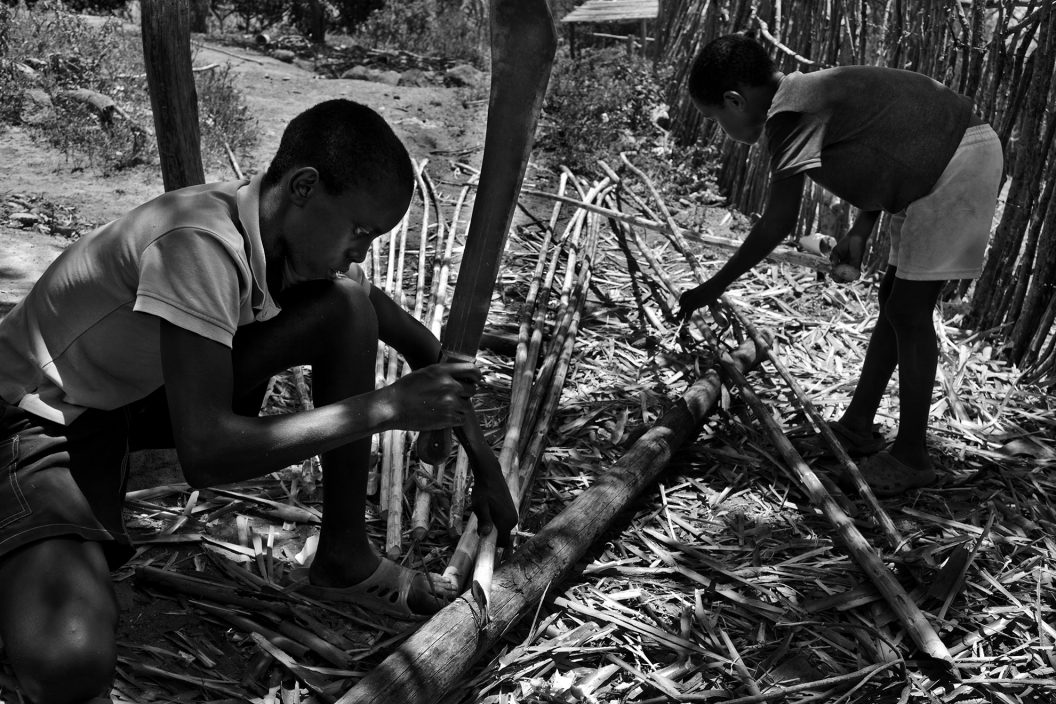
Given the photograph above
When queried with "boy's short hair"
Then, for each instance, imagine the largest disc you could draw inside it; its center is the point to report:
(349, 144)
(727, 63)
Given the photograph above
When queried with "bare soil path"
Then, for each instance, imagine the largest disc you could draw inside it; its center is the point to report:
(436, 123)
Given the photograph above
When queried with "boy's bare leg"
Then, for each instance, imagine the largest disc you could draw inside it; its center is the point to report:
(881, 357)
(904, 336)
(910, 309)
(332, 326)
(58, 616)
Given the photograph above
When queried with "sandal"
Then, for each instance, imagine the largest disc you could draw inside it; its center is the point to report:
(386, 590)
(890, 477)
(857, 444)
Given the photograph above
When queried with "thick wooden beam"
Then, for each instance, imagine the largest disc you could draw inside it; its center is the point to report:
(173, 98)
(436, 658)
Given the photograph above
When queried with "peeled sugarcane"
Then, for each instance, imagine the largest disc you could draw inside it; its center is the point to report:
(564, 310)
(420, 513)
(436, 658)
(445, 243)
(522, 472)
(779, 254)
(901, 604)
(537, 439)
(468, 547)
(397, 465)
(374, 487)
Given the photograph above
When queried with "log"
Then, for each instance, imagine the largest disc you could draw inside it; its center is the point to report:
(436, 658)
(173, 97)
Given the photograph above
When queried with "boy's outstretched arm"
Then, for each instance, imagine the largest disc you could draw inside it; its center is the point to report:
(777, 221)
(492, 502)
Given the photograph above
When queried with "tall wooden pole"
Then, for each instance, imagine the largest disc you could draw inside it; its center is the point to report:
(173, 98)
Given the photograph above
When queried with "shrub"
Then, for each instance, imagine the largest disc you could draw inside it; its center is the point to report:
(598, 105)
(429, 27)
(58, 55)
(223, 116)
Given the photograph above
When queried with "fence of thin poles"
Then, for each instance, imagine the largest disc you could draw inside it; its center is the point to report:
(1000, 53)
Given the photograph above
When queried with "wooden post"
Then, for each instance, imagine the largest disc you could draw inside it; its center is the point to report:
(436, 658)
(199, 16)
(173, 98)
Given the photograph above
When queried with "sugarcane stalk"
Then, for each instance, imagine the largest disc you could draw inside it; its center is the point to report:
(398, 463)
(374, 487)
(469, 544)
(459, 489)
(894, 539)
(908, 613)
(420, 513)
(537, 438)
(779, 254)
(520, 477)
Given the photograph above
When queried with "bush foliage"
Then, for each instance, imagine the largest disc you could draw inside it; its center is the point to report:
(46, 53)
(598, 105)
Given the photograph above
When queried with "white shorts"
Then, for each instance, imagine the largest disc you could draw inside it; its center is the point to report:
(944, 234)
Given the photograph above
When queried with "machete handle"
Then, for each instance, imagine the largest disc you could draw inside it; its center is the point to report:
(434, 446)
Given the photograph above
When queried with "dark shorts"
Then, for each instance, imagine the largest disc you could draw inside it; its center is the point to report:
(69, 481)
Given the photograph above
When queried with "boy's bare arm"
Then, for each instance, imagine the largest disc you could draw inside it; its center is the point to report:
(400, 330)
(217, 446)
(491, 497)
(777, 221)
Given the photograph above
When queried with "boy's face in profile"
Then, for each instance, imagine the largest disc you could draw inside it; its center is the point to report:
(331, 231)
(737, 115)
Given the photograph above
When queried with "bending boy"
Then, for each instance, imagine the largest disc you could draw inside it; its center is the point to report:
(883, 140)
(169, 322)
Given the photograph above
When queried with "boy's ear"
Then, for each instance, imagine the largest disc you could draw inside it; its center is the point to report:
(734, 99)
(303, 181)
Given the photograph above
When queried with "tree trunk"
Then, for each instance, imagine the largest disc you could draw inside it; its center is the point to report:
(173, 98)
(199, 16)
(316, 22)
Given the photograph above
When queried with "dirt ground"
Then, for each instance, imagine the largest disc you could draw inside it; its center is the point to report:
(438, 123)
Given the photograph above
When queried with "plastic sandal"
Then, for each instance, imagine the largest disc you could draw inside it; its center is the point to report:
(890, 477)
(857, 444)
(386, 590)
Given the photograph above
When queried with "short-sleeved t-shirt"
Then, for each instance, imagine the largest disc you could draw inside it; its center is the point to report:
(88, 333)
(877, 137)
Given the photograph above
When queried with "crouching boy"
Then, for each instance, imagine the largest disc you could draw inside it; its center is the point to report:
(168, 323)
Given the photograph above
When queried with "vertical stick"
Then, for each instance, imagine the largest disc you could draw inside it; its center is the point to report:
(398, 463)
(173, 98)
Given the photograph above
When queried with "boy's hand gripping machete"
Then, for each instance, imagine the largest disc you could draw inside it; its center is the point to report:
(523, 42)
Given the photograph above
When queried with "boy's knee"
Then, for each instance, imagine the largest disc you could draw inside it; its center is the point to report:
(347, 305)
(70, 669)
